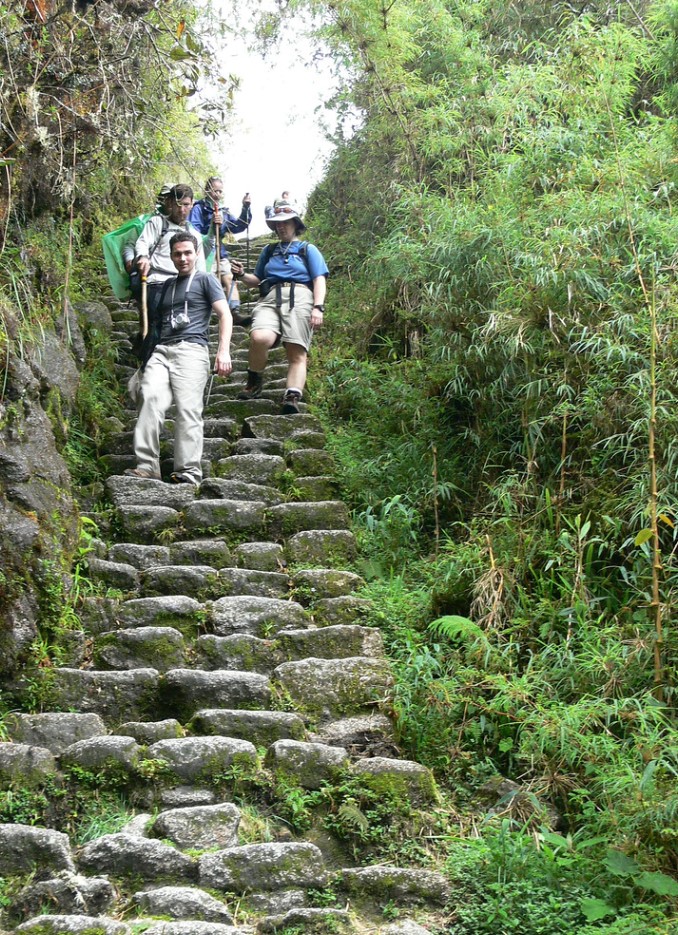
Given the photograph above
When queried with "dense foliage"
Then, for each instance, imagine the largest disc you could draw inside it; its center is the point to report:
(499, 370)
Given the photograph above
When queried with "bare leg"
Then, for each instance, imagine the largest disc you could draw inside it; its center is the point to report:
(296, 366)
(261, 341)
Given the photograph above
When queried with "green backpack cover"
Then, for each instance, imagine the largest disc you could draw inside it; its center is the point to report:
(129, 233)
(112, 245)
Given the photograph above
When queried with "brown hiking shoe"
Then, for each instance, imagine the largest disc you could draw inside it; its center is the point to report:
(142, 472)
(255, 383)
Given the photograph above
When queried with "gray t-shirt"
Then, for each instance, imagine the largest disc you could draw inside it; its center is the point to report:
(186, 315)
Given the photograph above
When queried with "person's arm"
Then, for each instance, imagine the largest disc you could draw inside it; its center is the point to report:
(319, 293)
(247, 279)
(148, 238)
(222, 362)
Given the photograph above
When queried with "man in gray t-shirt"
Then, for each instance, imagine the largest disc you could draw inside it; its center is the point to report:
(178, 366)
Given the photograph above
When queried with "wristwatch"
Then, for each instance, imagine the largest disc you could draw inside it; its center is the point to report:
(321, 308)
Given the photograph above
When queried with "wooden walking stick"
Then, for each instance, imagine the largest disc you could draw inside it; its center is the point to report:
(144, 307)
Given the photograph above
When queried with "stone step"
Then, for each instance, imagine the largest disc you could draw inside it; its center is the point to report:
(325, 689)
(218, 517)
(261, 867)
(220, 488)
(326, 547)
(330, 643)
(186, 691)
(73, 925)
(203, 760)
(161, 648)
(262, 728)
(255, 468)
(137, 859)
(115, 696)
(283, 428)
(53, 730)
(239, 651)
(285, 519)
(257, 616)
(141, 491)
(312, 584)
(183, 902)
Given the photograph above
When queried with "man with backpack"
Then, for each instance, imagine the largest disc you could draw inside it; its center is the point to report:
(177, 368)
(152, 248)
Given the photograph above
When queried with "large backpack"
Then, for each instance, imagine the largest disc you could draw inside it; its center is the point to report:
(114, 242)
(302, 252)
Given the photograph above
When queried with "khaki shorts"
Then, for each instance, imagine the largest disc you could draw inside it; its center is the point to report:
(292, 327)
(225, 266)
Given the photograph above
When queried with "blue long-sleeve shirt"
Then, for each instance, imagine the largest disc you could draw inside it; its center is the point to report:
(202, 217)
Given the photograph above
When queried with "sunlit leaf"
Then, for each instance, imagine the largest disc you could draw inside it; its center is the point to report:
(643, 536)
(595, 909)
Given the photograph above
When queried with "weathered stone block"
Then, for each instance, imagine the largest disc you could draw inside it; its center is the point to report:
(309, 921)
(252, 468)
(402, 885)
(263, 867)
(327, 688)
(218, 516)
(316, 488)
(181, 613)
(198, 581)
(314, 584)
(183, 902)
(125, 855)
(220, 488)
(25, 766)
(148, 732)
(27, 849)
(341, 610)
(186, 691)
(371, 734)
(331, 642)
(116, 696)
(241, 652)
(406, 778)
(325, 547)
(307, 462)
(146, 523)
(55, 731)
(202, 827)
(113, 574)
(281, 427)
(213, 552)
(289, 518)
(67, 893)
(261, 728)
(162, 648)
(140, 556)
(73, 925)
(141, 491)
(258, 616)
(262, 556)
(264, 446)
(246, 581)
(307, 764)
(104, 753)
(201, 759)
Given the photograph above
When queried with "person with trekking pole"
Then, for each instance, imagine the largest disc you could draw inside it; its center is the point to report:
(209, 218)
(178, 367)
(292, 280)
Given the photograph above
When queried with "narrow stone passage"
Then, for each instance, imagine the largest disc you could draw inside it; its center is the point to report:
(226, 663)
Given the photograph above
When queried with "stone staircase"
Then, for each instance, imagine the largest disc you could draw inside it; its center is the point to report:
(225, 665)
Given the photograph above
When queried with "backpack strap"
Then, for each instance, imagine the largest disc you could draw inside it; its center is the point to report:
(165, 228)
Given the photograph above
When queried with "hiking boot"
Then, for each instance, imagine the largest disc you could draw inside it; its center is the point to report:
(184, 479)
(290, 403)
(142, 472)
(239, 319)
(255, 383)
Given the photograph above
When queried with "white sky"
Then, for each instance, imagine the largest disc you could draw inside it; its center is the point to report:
(277, 143)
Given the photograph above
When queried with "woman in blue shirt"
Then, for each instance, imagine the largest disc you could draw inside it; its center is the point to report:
(207, 212)
(292, 280)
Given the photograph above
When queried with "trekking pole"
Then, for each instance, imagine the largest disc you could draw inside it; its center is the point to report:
(218, 250)
(144, 307)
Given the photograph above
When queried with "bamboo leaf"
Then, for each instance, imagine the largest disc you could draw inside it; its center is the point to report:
(643, 536)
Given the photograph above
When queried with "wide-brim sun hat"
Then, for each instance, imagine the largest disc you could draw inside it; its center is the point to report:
(283, 211)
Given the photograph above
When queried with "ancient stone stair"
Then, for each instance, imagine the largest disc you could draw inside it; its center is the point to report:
(226, 643)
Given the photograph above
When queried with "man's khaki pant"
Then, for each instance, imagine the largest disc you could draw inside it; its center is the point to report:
(175, 373)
